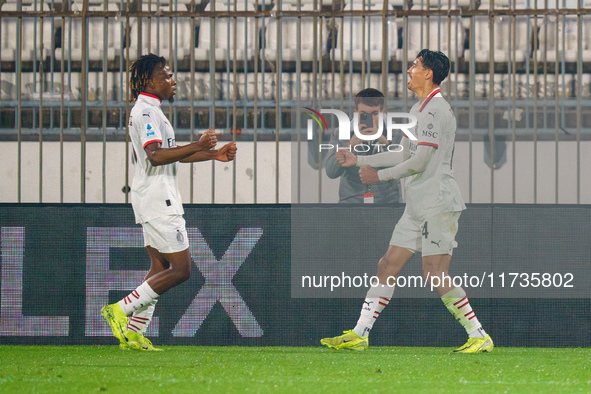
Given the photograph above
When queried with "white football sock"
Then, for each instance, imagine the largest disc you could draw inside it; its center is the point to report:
(376, 300)
(140, 320)
(457, 303)
(138, 298)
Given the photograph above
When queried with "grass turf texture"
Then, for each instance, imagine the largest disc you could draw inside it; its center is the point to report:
(291, 369)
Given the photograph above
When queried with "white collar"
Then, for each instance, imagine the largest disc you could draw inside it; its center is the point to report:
(150, 99)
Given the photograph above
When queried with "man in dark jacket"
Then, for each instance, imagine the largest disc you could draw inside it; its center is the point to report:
(351, 190)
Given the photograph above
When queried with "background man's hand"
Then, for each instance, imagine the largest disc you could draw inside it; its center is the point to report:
(382, 140)
(354, 141)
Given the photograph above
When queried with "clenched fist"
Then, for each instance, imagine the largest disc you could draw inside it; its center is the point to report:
(208, 140)
(227, 152)
(346, 158)
(368, 175)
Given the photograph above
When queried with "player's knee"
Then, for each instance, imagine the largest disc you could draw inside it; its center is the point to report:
(182, 274)
(185, 275)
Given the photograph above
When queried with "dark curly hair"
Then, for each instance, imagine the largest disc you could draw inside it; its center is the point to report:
(142, 71)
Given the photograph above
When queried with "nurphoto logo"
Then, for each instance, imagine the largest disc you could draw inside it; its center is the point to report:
(344, 128)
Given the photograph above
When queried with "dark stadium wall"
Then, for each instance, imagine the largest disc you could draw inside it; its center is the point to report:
(61, 263)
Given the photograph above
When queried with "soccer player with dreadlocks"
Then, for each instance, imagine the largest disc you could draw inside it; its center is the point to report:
(156, 199)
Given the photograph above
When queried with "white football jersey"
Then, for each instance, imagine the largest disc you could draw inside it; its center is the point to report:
(434, 190)
(154, 190)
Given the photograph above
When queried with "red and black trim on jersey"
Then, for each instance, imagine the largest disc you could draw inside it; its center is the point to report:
(150, 95)
(429, 97)
(429, 144)
(149, 142)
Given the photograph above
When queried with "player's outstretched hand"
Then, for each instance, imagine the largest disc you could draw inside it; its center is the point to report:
(226, 152)
(346, 158)
(208, 140)
(368, 175)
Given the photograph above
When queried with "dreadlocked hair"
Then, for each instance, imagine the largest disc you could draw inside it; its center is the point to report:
(141, 73)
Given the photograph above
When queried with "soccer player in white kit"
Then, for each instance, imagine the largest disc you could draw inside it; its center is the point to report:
(156, 199)
(433, 205)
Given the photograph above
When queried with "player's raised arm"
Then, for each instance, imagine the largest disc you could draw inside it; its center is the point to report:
(386, 159)
(414, 165)
(346, 158)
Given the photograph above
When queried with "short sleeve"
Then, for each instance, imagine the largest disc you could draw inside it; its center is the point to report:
(429, 130)
(148, 127)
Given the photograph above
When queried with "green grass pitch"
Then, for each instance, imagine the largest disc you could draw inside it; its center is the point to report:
(88, 369)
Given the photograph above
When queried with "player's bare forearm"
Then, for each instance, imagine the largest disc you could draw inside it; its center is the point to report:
(225, 154)
(200, 156)
(159, 156)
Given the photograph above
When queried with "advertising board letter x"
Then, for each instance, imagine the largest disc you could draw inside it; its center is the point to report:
(218, 285)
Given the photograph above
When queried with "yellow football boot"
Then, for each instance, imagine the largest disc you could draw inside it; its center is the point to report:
(477, 345)
(349, 340)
